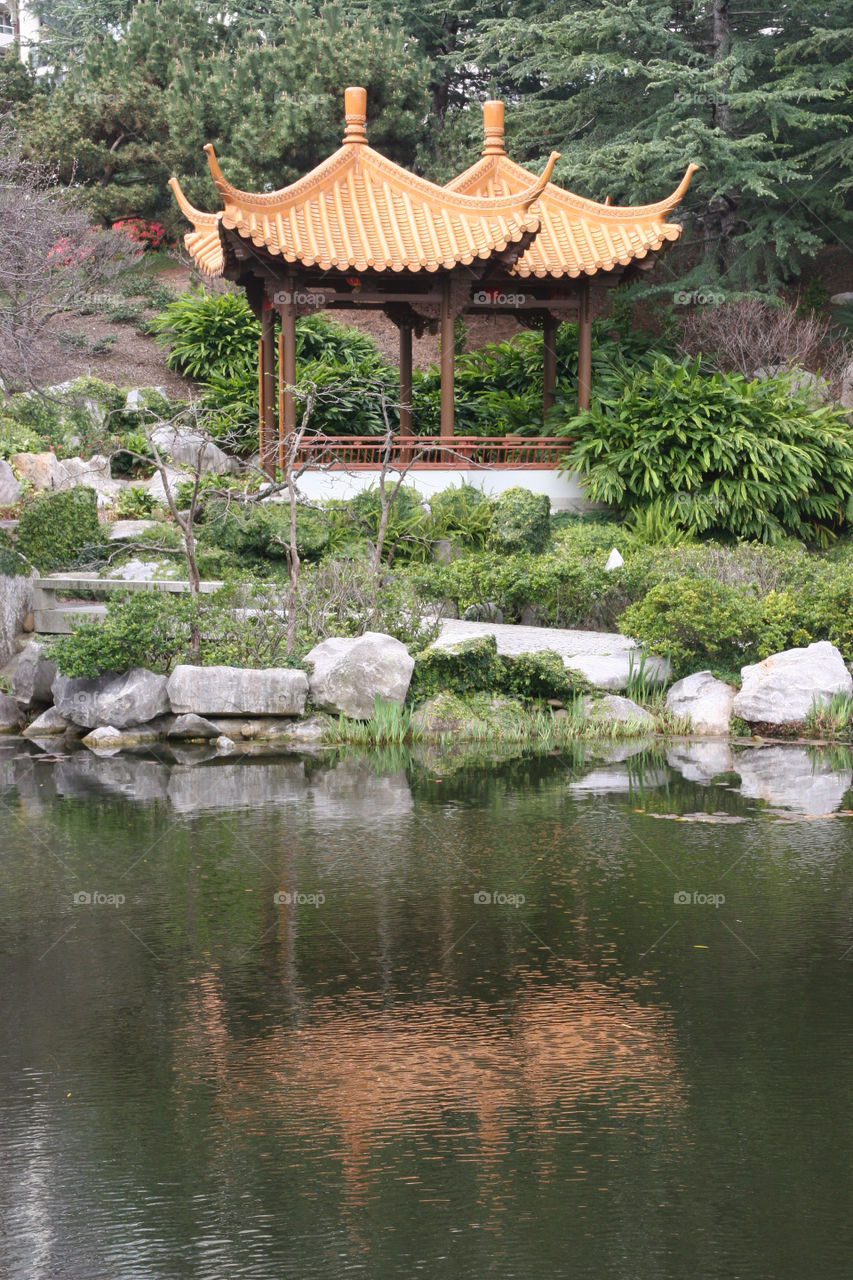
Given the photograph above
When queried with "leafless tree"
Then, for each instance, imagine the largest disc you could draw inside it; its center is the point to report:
(51, 260)
(401, 466)
(752, 334)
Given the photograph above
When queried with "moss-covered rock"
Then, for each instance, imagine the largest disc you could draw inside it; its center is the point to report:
(470, 666)
(473, 716)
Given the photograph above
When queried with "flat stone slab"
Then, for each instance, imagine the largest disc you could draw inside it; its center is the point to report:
(121, 529)
(238, 691)
(604, 657)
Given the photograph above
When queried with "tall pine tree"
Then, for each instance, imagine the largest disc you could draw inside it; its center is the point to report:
(630, 92)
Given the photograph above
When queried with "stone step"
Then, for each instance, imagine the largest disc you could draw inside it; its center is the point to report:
(58, 620)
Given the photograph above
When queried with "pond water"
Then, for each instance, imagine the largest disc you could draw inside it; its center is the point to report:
(407, 1014)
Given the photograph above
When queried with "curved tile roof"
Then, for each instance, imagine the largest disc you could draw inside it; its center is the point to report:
(577, 236)
(358, 210)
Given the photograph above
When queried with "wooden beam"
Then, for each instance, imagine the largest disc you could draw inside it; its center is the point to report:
(549, 364)
(447, 362)
(405, 379)
(584, 347)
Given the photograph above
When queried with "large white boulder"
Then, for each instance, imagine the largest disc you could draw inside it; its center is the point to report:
(32, 683)
(706, 700)
(16, 601)
(11, 716)
(46, 471)
(613, 708)
(156, 486)
(49, 722)
(10, 489)
(39, 469)
(188, 448)
(132, 698)
(350, 673)
(784, 687)
(237, 691)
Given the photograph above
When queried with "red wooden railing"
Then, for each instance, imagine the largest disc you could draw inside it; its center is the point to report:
(365, 453)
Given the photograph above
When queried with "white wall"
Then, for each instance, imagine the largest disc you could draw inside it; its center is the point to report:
(28, 28)
(564, 491)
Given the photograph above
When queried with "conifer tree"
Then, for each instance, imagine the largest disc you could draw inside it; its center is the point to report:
(631, 91)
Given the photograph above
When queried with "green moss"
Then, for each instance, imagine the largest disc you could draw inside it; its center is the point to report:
(466, 667)
(472, 716)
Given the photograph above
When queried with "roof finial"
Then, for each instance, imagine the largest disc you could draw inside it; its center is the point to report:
(493, 126)
(355, 107)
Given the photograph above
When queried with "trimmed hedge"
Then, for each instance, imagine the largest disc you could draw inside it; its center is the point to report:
(521, 521)
(59, 530)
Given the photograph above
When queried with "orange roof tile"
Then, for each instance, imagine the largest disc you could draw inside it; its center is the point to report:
(578, 236)
(358, 210)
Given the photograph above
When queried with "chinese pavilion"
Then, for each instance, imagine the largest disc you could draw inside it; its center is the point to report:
(361, 231)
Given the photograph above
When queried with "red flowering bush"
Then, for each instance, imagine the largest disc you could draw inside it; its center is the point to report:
(149, 235)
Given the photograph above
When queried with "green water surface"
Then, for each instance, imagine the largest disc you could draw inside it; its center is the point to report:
(410, 1015)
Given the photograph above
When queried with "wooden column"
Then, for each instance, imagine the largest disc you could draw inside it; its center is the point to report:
(549, 364)
(262, 450)
(584, 346)
(286, 375)
(267, 389)
(447, 362)
(405, 379)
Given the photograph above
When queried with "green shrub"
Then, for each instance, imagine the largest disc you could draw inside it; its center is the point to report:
(541, 675)
(134, 503)
(12, 563)
(407, 533)
(466, 667)
(827, 608)
(473, 666)
(214, 338)
(521, 521)
(209, 334)
(141, 629)
(498, 388)
(17, 438)
(462, 514)
(721, 454)
(571, 592)
(580, 536)
(61, 530)
(699, 623)
(262, 533)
